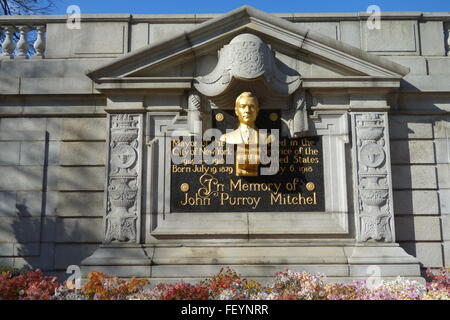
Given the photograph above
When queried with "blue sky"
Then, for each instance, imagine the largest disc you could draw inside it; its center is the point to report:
(221, 6)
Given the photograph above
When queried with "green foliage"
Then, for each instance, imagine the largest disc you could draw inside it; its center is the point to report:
(4, 269)
(14, 271)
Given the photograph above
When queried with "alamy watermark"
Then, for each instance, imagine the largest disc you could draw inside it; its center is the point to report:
(374, 20)
(374, 280)
(74, 280)
(208, 149)
(74, 17)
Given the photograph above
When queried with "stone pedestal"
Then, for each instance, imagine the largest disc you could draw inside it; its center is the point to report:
(339, 262)
(120, 260)
(387, 261)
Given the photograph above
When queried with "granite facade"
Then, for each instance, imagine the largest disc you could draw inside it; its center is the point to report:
(56, 116)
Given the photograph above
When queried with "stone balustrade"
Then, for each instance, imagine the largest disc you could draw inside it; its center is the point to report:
(16, 42)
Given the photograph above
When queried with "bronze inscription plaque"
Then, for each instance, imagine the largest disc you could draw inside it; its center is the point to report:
(202, 185)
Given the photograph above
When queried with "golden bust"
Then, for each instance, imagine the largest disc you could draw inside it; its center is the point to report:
(246, 136)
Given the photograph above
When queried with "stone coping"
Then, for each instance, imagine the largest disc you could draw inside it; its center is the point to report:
(198, 18)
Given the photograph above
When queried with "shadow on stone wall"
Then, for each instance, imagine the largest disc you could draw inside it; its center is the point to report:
(403, 226)
(47, 241)
(404, 184)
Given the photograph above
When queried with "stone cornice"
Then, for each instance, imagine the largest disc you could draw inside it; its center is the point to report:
(378, 83)
(199, 18)
(143, 83)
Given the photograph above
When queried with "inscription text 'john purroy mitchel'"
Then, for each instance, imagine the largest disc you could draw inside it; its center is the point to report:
(201, 183)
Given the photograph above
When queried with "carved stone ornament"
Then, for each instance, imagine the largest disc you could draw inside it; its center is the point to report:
(371, 155)
(123, 156)
(121, 220)
(296, 117)
(375, 215)
(194, 112)
(246, 58)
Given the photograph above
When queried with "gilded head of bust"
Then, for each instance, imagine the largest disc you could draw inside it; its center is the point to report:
(247, 108)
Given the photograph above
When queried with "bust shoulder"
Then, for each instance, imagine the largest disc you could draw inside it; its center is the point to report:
(233, 137)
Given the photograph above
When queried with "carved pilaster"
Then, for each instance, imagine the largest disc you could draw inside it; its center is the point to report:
(123, 192)
(372, 175)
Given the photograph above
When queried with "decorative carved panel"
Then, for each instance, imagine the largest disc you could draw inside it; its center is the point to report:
(124, 173)
(373, 187)
(248, 64)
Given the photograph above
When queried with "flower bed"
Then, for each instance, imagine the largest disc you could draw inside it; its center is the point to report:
(226, 285)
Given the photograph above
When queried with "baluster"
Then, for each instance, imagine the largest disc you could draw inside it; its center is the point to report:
(39, 44)
(22, 44)
(8, 44)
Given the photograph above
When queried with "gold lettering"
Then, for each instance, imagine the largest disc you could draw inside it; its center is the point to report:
(223, 198)
(180, 169)
(239, 201)
(254, 187)
(287, 199)
(275, 198)
(195, 201)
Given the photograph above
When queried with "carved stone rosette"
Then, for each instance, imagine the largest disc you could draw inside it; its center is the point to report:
(123, 188)
(373, 190)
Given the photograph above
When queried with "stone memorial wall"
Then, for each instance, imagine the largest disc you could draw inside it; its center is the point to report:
(92, 122)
